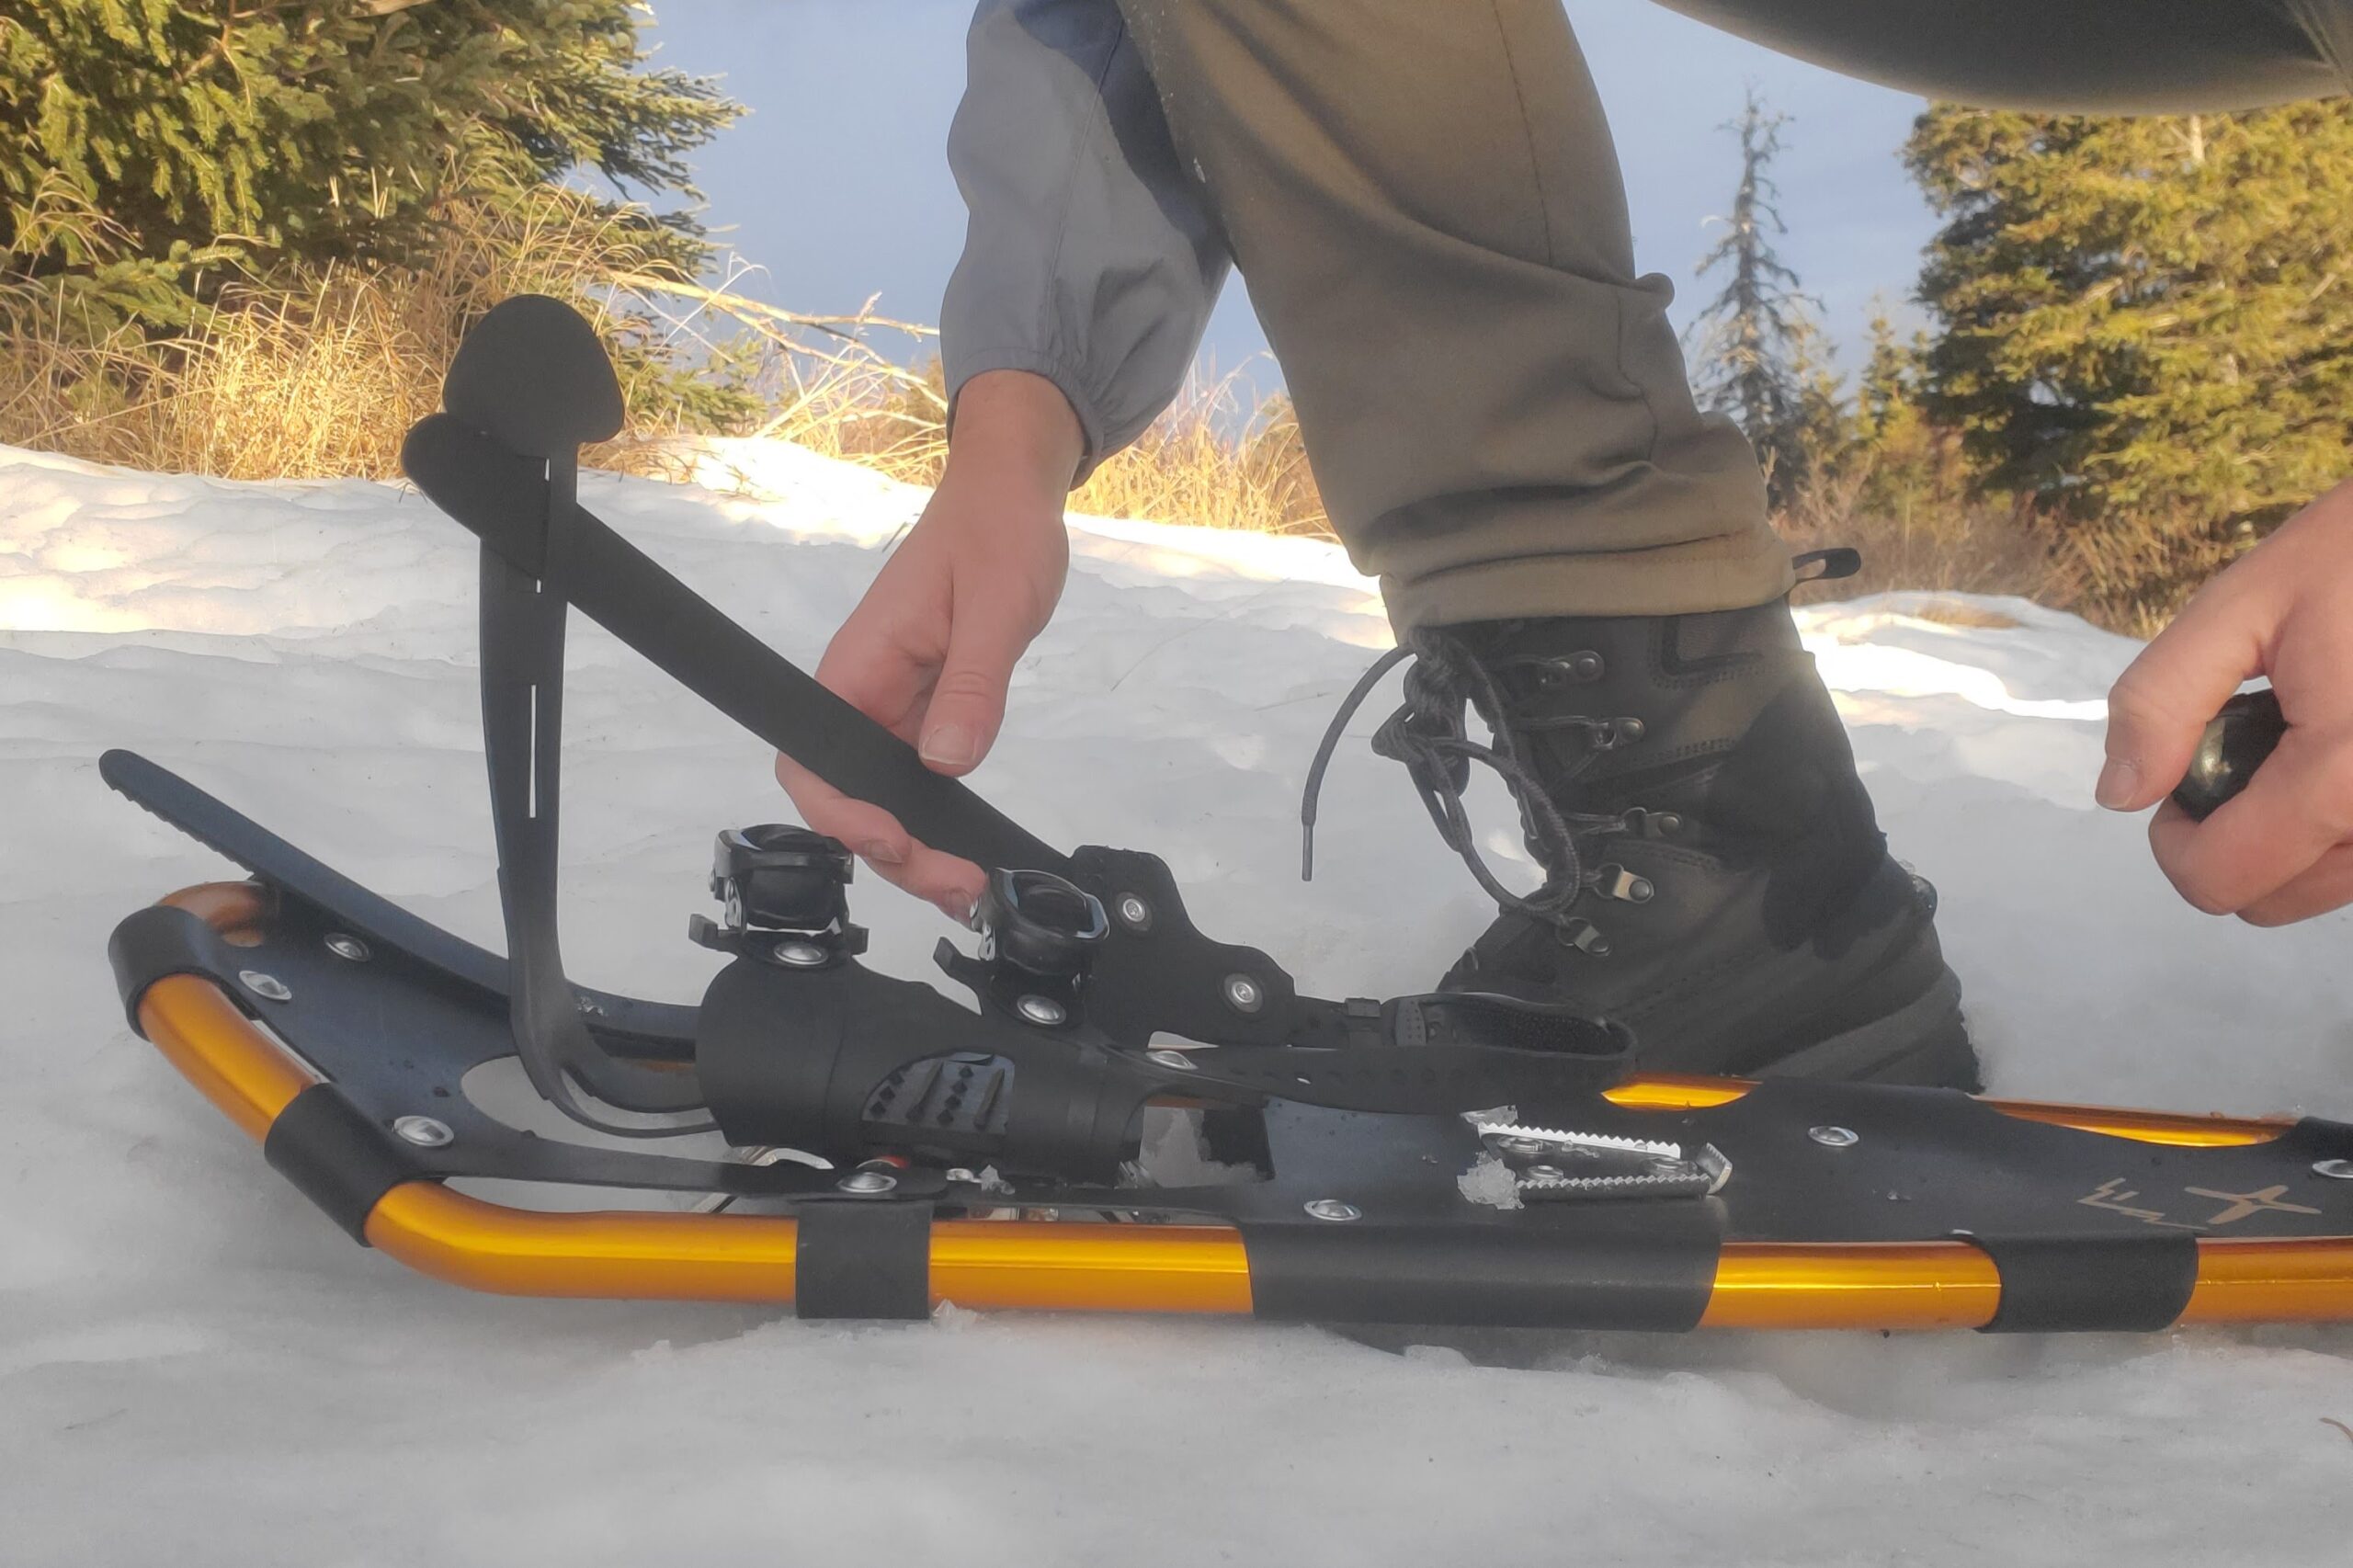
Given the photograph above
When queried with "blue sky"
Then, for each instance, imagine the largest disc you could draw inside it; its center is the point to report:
(836, 184)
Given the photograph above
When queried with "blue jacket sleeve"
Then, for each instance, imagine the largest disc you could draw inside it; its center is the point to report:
(1089, 258)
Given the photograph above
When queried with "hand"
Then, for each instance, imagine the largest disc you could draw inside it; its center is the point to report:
(2282, 851)
(930, 651)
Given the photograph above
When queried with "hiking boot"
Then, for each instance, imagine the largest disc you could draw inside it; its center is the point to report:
(1715, 879)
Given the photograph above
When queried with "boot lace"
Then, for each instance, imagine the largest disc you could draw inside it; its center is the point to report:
(1429, 734)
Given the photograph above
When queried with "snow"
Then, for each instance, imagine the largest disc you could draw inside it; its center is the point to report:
(195, 1367)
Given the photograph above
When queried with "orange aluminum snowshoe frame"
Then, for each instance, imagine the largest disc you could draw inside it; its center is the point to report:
(1040, 1264)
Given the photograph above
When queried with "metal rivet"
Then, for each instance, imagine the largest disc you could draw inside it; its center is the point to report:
(1041, 1010)
(2334, 1170)
(1834, 1137)
(1333, 1209)
(1243, 995)
(1177, 1060)
(799, 954)
(868, 1182)
(344, 945)
(267, 986)
(1546, 1173)
(422, 1131)
(1134, 913)
(1641, 891)
(1525, 1148)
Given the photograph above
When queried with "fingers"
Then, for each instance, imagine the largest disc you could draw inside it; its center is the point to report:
(2327, 885)
(966, 705)
(876, 838)
(2160, 705)
(2254, 856)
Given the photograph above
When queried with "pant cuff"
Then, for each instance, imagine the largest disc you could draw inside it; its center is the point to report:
(1734, 572)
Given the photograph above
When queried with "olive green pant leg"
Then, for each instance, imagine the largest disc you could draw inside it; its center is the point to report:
(1424, 197)
(1427, 203)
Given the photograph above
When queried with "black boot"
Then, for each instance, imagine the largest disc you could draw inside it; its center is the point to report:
(1715, 879)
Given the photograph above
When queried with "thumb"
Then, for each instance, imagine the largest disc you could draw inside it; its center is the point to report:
(967, 702)
(2160, 705)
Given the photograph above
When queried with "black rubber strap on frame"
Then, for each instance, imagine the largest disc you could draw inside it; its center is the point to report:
(338, 1158)
(1625, 1267)
(2130, 1283)
(159, 941)
(863, 1260)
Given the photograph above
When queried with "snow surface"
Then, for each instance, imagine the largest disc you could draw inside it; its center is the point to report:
(195, 1368)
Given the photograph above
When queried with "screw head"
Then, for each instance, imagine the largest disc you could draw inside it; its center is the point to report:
(799, 954)
(1134, 913)
(268, 988)
(1175, 1060)
(2334, 1170)
(1834, 1137)
(423, 1132)
(344, 945)
(1243, 995)
(1332, 1209)
(868, 1182)
(1043, 1011)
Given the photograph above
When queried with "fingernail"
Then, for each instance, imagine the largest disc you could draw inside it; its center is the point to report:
(950, 746)
(2118, 782)
(880, 853)
(957, 907)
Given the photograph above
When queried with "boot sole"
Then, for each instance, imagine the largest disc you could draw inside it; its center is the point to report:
(1924, 1043)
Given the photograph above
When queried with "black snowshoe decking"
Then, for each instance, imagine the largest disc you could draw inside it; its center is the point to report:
(1341, 1171)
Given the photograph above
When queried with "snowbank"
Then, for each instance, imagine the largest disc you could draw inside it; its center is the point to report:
(195, 1367)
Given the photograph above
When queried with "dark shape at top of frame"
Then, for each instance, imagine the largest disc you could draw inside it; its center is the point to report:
(532, 376)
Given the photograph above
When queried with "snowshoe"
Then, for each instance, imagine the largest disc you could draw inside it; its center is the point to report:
(1131, 1115)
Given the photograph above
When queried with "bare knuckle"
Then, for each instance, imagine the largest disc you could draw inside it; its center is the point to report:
(968, 685)
(2208, 901)
(2197, 888)
(2333, 786)
(2133, 705)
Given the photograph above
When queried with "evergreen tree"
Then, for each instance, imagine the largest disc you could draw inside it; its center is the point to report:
(1889, 390)
(1912, 464)
(1761, 358)
(2145, 317)
(151, 149)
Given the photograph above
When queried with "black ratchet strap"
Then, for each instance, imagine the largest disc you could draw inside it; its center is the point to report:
(502, 497)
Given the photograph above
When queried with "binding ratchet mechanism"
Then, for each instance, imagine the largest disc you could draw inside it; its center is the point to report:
(1547, 1164)
(784, 895)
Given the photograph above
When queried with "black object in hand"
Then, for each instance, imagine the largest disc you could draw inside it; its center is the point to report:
(2234, 744)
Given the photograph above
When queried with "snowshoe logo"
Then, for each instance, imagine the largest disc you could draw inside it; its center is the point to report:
(2114, 1195)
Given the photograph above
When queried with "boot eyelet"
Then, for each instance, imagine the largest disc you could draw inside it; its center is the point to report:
(1609, 734)
(1644, 823)
(1581, 668)
(1614, 881)
(1585, 937)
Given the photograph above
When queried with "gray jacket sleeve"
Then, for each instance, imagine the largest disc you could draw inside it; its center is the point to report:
(1089, 258)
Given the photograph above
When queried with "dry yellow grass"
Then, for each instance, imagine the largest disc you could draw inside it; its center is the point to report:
(324, 379)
